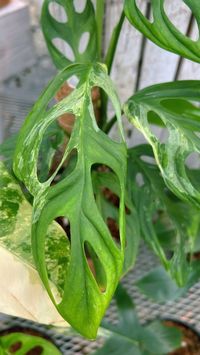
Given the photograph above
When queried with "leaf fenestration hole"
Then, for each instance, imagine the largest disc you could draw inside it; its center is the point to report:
(58, 12)
(193, 160)
(114, 230)
(57, 255)
(73, 81)
(95, 266)
(148, 159)
(64, 48)
(180, 14)
(15, 347)
(139, 179)
(65, 224)
(194, 34)
(157, 127)
(51, 151)
(146, 9)
(68, 166)
(79, 5)
(96, 102)
(36, 350)
(83, 43)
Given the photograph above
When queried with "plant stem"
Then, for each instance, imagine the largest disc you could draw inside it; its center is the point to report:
(113, 43)
(100, 5)
(109, 61)
(107, 127)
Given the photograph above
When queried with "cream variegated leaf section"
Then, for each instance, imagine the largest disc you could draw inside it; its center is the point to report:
(22, 292)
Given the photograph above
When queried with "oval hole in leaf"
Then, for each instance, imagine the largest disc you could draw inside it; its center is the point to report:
(73, 81)
(146, 9)
(153, 118)
(64, 48)
(96, 100)
(95, 266)
(148, 159)
(36, 350)
(139, 179)
(66, 121)
(158, 129)
(180, 14)
(193, 160)
(107, 190)
(67, 167)
(114, 230)
(58, 12)
(15, 347)
(195, 34)
(51, 151)
(79, 5)
(84, 40)
(57, 255)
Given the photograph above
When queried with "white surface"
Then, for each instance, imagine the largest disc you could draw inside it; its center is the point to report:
(16, 43)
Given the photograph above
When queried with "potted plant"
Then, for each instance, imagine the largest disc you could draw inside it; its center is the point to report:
(107, 196)
(28, 341)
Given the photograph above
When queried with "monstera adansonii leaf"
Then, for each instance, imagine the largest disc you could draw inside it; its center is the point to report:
(77, 29)
(168, 225)
(83, 302)
(175, 105)
(129, 336)
(22, 292)
(162, 31)
(20, 343)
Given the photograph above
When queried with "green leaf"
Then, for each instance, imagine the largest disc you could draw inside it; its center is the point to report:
(166, 339)
(71, 31)
(182, 124)
(28, 343)
(53, 138)
(131, 337)
(162, 31)
(74, 198)
(161, 214)
(158, 286)
(22, 292)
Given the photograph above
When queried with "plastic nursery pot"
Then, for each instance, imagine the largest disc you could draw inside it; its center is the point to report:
(4, 3)
(28, 341)
(191, 338)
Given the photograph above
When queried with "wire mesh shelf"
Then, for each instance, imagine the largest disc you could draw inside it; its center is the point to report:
(185, 310)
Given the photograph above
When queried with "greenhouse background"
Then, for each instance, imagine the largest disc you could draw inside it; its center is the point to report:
(26, 68)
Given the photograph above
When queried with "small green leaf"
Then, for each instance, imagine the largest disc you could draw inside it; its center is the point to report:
(158, 286)
(74, 197)
(162, 31)
(182, 124)
(71, 31)
(131, 337)
(26, 344)
(165, 339)
(22, 292)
